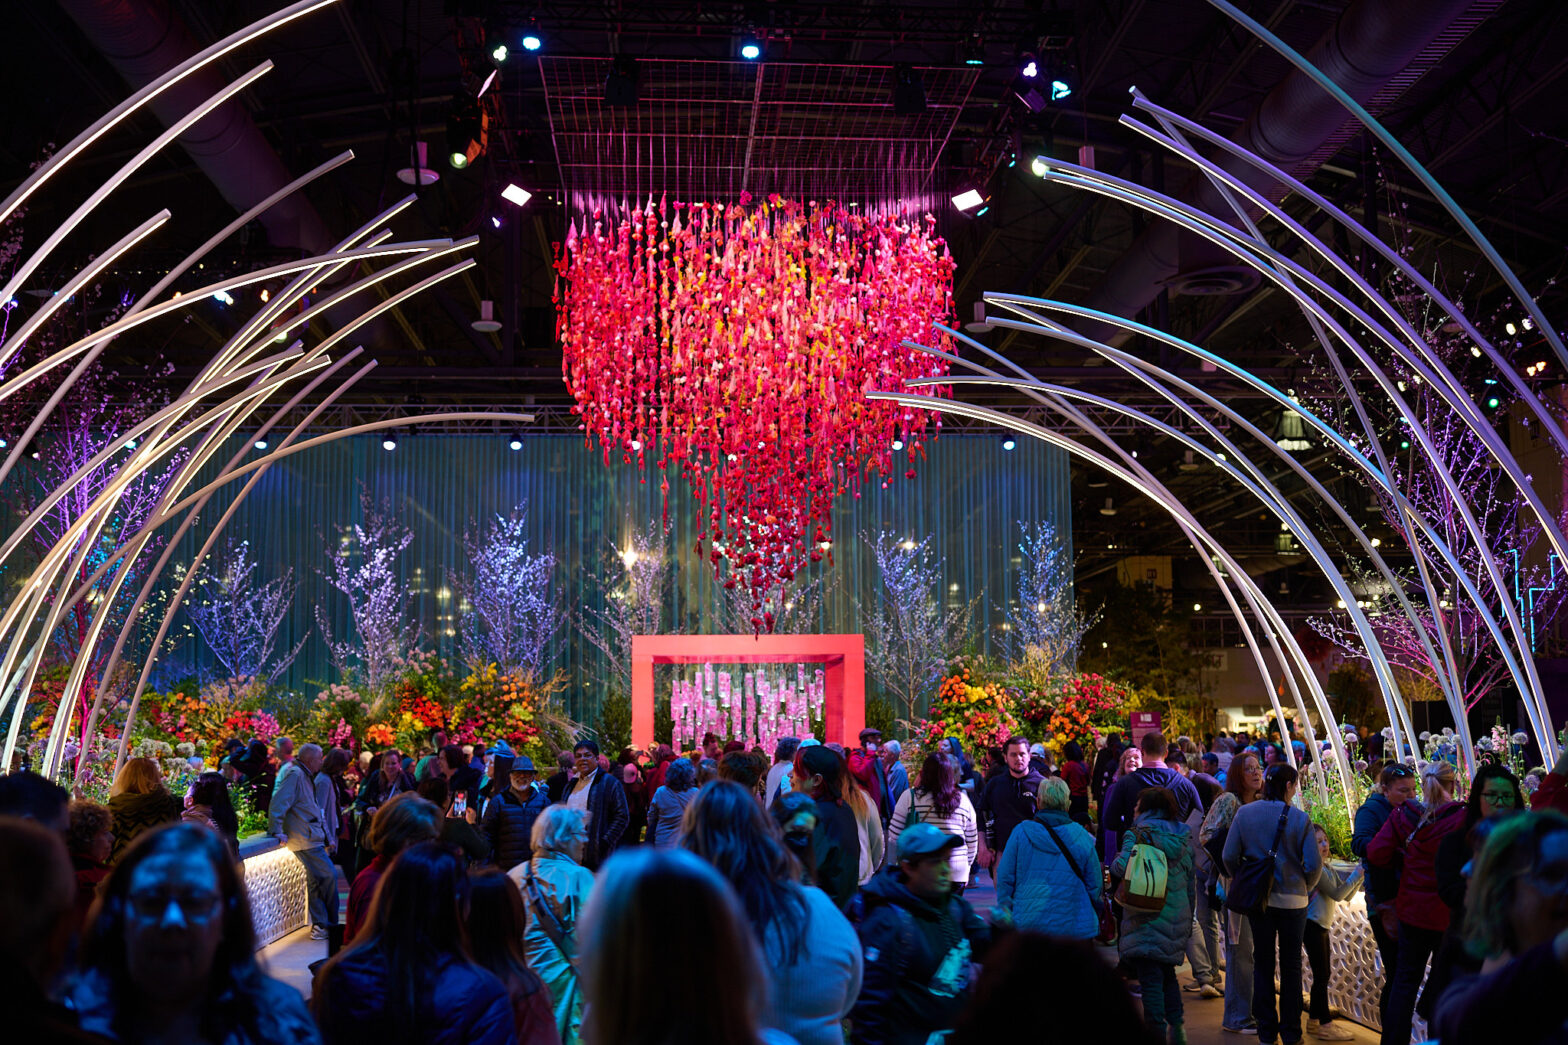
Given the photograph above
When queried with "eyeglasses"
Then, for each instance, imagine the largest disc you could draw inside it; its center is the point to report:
(1401, 771)
(1498, 798)
(194, 907)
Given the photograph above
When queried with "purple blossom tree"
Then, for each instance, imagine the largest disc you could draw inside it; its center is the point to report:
(363, 567)
(238, 618)
(910, 636)
(512, 612)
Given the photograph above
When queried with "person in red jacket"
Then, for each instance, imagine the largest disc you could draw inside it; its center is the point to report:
(1415, 832)
(1553, 792)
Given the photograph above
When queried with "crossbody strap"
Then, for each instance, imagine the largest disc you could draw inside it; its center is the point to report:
(549, 921)
(1279, 832)
(1077, 871)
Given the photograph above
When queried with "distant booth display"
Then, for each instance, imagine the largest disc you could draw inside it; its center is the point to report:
(754, 708)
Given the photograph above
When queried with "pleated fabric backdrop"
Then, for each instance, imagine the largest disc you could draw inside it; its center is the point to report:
(969, 496)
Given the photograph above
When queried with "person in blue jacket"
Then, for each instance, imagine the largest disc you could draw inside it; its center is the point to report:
(1048, 879)
(1155, 942)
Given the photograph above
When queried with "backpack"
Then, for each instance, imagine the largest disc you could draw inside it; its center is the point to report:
(1148, 871)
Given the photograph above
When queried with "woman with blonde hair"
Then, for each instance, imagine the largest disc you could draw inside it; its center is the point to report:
(556, 889)
(1415, 832)
(650, 900)
(138, 802)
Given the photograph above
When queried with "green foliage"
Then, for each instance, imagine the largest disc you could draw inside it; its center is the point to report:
(252, 820)
(880, 714)
(615, 723)
(1331, 814)
(663, 723)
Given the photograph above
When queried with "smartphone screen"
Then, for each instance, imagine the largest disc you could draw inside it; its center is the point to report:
(459, 805)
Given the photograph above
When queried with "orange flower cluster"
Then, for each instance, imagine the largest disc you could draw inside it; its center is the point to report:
(981, 714)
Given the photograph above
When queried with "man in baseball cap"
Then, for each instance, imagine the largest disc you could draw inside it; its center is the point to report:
(919, 939)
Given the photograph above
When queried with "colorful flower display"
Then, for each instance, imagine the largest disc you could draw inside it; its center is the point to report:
(735, 343)
(978, 713)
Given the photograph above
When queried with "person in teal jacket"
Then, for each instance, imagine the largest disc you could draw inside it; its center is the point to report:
(1155, 942)
(1048, 879)
(556, 889)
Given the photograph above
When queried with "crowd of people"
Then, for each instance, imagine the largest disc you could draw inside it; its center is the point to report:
(817, 896)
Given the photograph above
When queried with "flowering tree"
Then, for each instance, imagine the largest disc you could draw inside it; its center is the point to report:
(363, 566)
(1537, 590)
(910, 636)
(1045, 626)
(239, 618)
(636, 582)
(797, 611)
(512, 612)
(87, 421)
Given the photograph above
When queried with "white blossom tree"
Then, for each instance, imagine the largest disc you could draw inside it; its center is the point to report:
(363, 566)
(238, 618)
(511, 613)
(910, 636)
(1045, 626)
(636, 583)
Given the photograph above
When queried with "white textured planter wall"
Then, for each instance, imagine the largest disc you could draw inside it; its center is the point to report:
(1356, 970)
(275, 887)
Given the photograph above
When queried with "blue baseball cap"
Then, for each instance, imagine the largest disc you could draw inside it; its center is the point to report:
(923, 839)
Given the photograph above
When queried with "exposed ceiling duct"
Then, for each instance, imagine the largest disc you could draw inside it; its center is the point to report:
(1370, 49)
(144, 38)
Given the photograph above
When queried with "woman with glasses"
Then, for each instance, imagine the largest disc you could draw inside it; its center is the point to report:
(170, 955)
(1396, 785)
(1411, 836)
(1494, 795)
(1516, 917)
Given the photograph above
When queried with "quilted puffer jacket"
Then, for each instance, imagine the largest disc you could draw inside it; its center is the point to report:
(1037, 883)
(1160, 935)
(459, 1004)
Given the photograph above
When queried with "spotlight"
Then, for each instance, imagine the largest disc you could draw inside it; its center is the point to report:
(1060, 89)
(418, 171)
(1028, 66)
(4, 442)
(532, 42)
(909, 91)
(130, 444)
(621, 86)
(517, 441)
(467, 131)
(750, 48)
(968, 199)
(498, 53)
(1510, 329)
(515, 194)
(1009, 444)
(1492, 403)
(974, 51)
(1039, 166)
(389, 442)
(1110, 507)
(979, 326)
(486, 323)
(261, 444)
(898, 444)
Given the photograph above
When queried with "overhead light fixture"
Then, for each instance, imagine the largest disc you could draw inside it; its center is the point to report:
(499, 53)
(486, 323)
(1060, 89)
(1109, 508)
(1039, 166)
(1033, 100)
(621, 86)
(4, 442)
(532, 41)
(1028, 66)
(898, 444)
(1197, 607)
(974, 51)
(261, 444)
(515, 194)
(418, 171)
(979, 326)
(1009, 444)
(968, 199)
(1187, 462)
(467, 131)
(1510, 329)
(389, 442)
(1291, 435)
(909, 91)
(516, 442)
(130, 444)
(750, 47)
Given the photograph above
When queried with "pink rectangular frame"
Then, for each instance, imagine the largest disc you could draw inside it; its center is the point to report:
(844, 657)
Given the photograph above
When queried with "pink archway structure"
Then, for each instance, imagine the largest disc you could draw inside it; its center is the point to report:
(843, 656)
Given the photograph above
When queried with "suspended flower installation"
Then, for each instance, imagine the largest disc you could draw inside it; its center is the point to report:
(737, 344)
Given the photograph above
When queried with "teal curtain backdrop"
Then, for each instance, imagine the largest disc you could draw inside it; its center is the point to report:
(969, 497)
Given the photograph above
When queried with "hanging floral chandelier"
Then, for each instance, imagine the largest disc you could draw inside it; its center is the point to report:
(737, 343)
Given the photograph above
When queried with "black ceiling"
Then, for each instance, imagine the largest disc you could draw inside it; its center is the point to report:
(1481, 106)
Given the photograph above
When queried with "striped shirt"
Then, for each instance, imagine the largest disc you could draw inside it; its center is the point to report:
(961, 822)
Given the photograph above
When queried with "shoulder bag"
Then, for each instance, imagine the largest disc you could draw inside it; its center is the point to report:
(1250, 885)
(1102, 910)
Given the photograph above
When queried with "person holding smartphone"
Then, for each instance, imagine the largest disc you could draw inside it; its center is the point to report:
(459, 819)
